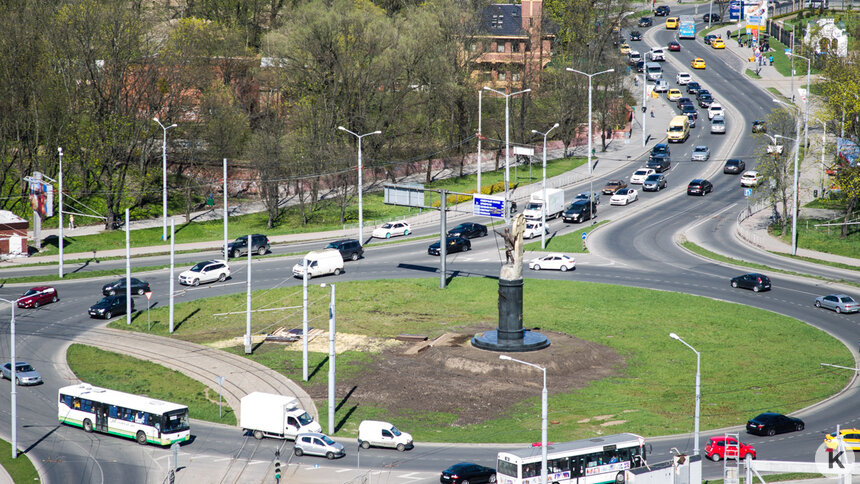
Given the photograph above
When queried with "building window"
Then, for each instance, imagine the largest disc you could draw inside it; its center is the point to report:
(515, 77)
(515, 47)
(473, 47)
(500, 47)
(502, 76)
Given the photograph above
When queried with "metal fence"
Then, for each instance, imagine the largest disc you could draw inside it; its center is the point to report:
(746, 213)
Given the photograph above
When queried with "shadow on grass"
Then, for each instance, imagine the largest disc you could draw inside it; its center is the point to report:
(186, 318)
(349, 412)
(318, 368)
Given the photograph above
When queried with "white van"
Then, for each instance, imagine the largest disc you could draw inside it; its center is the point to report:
(654, 70)
(320, 263)
(382, 434)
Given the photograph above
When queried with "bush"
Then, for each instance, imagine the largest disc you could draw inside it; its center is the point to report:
(486, 190)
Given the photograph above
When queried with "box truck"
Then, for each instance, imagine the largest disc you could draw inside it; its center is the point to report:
(268, 415)
(554, 206)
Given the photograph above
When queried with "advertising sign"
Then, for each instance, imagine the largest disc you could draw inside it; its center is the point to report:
(735, 8)
(489, 206)
(755, 13)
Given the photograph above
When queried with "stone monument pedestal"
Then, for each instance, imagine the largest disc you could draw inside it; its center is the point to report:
(510, 335)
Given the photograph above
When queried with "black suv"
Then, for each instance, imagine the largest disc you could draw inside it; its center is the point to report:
(659, 162)
(646, 22)
(699, 187)
(635, 35)
(705, 100)
(578, 211)
(350, 249)
(734, 166)
(660, 148)
(661, 11)
(468, 230)
(693, 87)
(712, 17)
(259, 244)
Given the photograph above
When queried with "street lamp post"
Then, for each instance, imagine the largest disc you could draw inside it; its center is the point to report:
(698, 392)
(795, 193)
(543, 421)
(590, 133)
(806, 109)
(507, 147)
(543, 210)
(360, 206)
(331, 357)
(163, 177)
(13, 378)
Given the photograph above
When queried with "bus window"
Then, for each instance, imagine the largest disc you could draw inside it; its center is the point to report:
(112, 411)
(87, 405)
(66, 400)
(531, 470)
(558, 465)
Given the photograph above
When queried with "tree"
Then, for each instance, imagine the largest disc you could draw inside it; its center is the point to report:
(267, 150)
(777, 168)
(848, 179)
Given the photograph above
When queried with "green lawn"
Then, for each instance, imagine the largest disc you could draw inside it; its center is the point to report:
(131, 375)
(21, 469)
(571, 242)
(326, 217)
(821, 239)
(741, 376)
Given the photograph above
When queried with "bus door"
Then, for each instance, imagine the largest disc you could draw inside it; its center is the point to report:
(101, 411)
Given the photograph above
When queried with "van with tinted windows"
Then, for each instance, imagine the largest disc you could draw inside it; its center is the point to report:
(679, 129)
(654, 70)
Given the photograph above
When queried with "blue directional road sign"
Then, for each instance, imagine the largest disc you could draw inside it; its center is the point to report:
(489, 206)
(747, 192)
(584, 235)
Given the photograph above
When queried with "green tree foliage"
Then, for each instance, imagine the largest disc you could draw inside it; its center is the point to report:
(777, 168)
(848, 179)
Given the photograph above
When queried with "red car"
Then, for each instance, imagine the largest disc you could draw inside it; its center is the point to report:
(716, 448)
(37, 296)
(674, 46)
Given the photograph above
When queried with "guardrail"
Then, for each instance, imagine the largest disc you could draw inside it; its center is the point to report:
(746, 213)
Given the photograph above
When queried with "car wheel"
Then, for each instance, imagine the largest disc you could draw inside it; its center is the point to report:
(140, 292)
(112, 293)
(329, 455)
(354, 256)
(337, 271)
(258, 434)
(715, 457)
(17, 381)
(818, 304)
(734, 284)
(493, 478)
(88, 425)
(838, 310)
(401, 447)
(261, 251)
(563, 268)
(141, 437)
(195, 282)
(36, 304)
(756, 289)
(388, 235)
(484, 233)
(108, 315)
(799, 427)
(469, 247)
(464, 481)
(537, 267)
(222, 277)
(54, 299)
(233, 254)
(365, 444)
(405, 232)
(771, 432)
(298, 451)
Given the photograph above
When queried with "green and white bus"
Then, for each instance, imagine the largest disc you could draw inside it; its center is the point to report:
(144, 419)
(587, 461)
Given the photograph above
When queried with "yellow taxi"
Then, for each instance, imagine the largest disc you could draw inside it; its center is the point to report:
(624, 48)
(672, 23)
(673, 94)
(851, 437)
(698, 63)
(718, 44)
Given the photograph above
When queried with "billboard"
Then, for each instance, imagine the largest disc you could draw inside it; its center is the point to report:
(755, 12)
(42, 197)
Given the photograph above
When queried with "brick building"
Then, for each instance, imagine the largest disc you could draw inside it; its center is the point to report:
(13, 234)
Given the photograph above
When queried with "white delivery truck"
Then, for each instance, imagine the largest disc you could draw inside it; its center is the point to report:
(382, 434)
(320, 263)
(268, 415)
(554, 206)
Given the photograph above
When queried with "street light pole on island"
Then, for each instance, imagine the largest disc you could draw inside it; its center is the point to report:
(360, 207)
(163, 178)
(507, 147)
(543, 421)
(698, 392)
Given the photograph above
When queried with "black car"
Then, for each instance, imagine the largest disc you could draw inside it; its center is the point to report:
(705, 100)
(109, 306)
(759, 126)
(468, 230)
(654, 182)
(709, 38)
(693, 87)
(660, 148)
(770, 423)
(350, 249)
(734, 166)
(755, 281)
(239, 247)
(578, 211)
(661, 11)
(690, 110)
(659, 162)
(640, 66)
(711, 17)
(699, 187)
(701, 92)
(453, 244)
(646, 22)
(635, 36)
(118, 287)
(684, 101)
(467, 472)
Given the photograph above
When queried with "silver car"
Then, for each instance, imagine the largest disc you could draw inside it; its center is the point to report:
(701, 153)
(24, 373)
(315, 443)
(841, 303)
(584, 196)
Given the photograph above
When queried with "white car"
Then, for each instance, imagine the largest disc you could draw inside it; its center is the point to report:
(640, 175)
(206, 271)
(558, 262)
(533, 229)
(715, 109)
(750, 179)
(401, 227)
(683, 78)
(624, 196)
(657, 55)
(660, 85)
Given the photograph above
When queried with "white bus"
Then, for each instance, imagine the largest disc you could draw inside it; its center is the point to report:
(587, 461)
(132, 416)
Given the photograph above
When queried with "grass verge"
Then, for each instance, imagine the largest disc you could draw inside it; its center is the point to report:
(325, 215)
(571, 242)
(829, 203)
(751, 73)
(131, 375)
(651, 395)
(821, 239)
(779, 95)
(21, 469)
(789, 476)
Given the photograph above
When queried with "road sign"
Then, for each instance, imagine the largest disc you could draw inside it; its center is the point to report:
(747, 192)
(584, 235)
(787, 51)
(148, 295)
(489, 206)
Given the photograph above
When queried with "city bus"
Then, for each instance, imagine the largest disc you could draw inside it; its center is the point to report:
(687, 28)
(144, 419)
(586, 461)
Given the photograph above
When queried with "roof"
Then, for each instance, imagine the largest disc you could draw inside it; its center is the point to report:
(7, 217)
(502, 19)
(137, 402)
(582, 446)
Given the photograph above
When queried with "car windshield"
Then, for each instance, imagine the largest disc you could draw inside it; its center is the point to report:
(31, 292)
(24, 367)
(327, 440)
(305, 419)
(241, 240)
(623, 191)
(533, 206)
(394, 431)
(332, 245)
(640, 172)
(388, 226)
(652, 178)
(199, 266)
(459, 228)
(104, 300)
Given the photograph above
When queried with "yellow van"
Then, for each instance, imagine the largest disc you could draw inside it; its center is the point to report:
(672, 23)
(679, 129)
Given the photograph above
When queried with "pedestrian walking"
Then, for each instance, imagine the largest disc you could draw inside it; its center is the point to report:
(652, 111)
(770, 59)
(71, 221)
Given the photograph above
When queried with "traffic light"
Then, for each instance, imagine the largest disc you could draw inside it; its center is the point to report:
(278, 465)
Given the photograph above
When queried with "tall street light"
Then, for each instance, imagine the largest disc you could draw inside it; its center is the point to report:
(12, 378)
(795, 187)
(590, 133)
(163, 178)
(543, 210)
(331, 357)
(698, 392)
(360, 206)
(806, 113)
(543, 405)
(507, 147)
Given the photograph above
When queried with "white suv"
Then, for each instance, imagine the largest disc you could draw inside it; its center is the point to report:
(715, 109)
(207, 271)
(683, 78)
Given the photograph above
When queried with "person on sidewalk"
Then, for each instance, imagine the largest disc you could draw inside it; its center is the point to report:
(652, 111)
(71, 221)
(770, 59)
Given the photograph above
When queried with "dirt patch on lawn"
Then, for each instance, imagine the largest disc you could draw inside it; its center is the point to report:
(475, 384)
